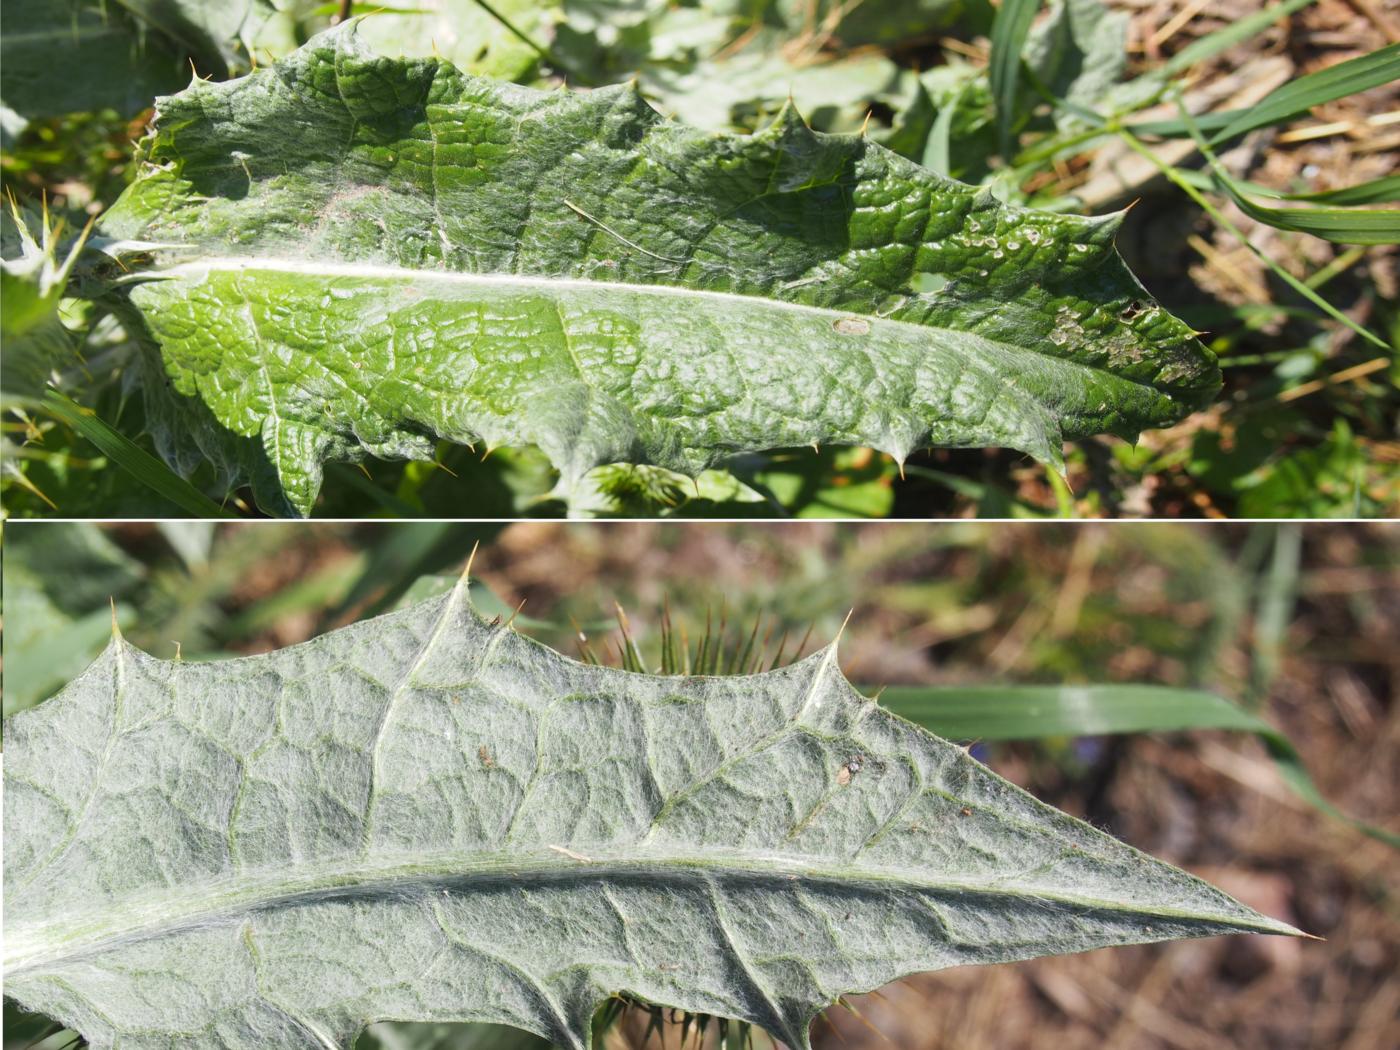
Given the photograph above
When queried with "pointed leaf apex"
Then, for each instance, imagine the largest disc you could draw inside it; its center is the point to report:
(464, 581)
(789, 120)
(1284, 929)
(842, 629)
(1103, 229)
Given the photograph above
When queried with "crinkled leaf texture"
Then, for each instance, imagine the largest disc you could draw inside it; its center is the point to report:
(374, 253)
(428, 817)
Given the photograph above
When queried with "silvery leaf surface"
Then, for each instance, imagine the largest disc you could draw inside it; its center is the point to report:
(429, 817)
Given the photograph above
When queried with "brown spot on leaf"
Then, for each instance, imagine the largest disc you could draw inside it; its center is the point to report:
(851, 326)
(485, 756)
(849, 769)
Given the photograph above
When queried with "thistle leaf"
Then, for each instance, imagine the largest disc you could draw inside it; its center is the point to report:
(428, 817)
(373, 253)
(33, 282)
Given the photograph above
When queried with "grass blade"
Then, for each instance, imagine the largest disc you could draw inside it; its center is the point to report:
(1290, 100)
(1032, 711)
(938, 150)
(1299, 96)
(1009, 31)
(1176, 128)
(1183, 183)
(1339, 225)
(1385, 190)
(137, 462)
(1343, 226)
(1025, 712)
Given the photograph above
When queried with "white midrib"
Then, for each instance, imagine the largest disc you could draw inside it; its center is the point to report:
(376, 271)
(43, 945)
(970, 344)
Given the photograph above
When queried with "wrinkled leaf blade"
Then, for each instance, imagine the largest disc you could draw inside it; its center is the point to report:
(568, 271)
(428, 817)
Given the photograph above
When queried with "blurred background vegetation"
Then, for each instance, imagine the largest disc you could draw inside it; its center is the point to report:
(1068, 105)
(1292, 624)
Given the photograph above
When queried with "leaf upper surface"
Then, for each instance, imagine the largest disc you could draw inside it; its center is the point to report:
(428, 817)
(375, 253)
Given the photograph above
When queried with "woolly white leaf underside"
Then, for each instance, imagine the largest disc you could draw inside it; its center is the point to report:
(425, 817)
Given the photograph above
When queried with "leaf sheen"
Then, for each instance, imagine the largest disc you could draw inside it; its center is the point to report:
(376, 253)
(428, 817)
